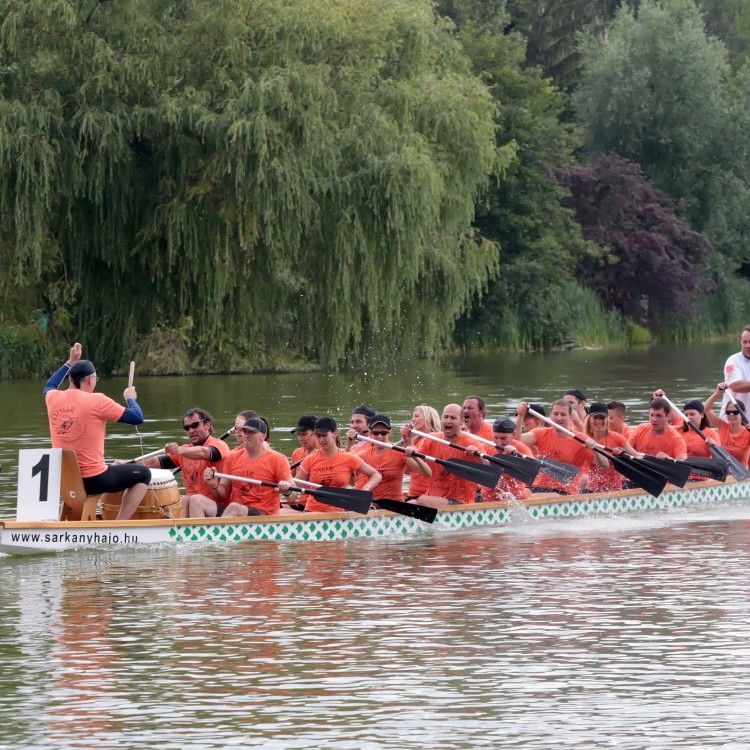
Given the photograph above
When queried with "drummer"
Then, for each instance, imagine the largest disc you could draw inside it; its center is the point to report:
(194, 457)
(78, 420)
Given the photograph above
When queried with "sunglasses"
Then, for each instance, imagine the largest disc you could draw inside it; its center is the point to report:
(377, 432)
(732, 412)
(193, 425)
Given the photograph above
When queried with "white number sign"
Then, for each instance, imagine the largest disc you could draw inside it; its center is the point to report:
(39, 471)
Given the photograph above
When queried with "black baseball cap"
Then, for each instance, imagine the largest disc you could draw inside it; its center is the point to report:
(577, 392)
(380, 419)
(255, 424)
(598, 407)
(305, 422)
(325, 424)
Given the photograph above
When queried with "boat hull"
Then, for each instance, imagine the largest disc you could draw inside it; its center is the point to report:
(19, 538)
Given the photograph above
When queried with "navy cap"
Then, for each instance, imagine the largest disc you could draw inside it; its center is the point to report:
(305, 422)
(255, 424)
(597, 407)
(577, 392)
(325, 424)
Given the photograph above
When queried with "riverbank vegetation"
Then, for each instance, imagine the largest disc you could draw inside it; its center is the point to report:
(239, 186)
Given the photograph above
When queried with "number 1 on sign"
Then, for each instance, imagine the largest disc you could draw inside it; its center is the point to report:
(42, 467)
(39, 475)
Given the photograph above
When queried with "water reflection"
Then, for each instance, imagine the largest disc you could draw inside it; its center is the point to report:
(602, 633)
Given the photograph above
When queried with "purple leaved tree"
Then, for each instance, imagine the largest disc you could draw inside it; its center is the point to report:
(652, 263)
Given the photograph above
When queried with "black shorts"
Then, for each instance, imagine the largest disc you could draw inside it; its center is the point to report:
(117, 478)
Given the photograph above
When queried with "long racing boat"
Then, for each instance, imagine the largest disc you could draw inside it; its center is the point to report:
(19, 537)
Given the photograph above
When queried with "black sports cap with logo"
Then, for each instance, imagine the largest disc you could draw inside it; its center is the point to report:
(305, 422)
(325, 424)
(255, 424)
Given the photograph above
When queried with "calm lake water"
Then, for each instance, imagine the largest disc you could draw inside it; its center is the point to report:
(592, 633)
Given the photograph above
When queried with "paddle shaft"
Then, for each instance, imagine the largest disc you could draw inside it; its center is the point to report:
(131, 374)
(449, 443)
(355, 500)
(248, 480)
(487, 475)
(153, 454)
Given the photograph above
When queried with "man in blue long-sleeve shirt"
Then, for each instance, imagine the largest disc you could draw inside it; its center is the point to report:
(78, 420)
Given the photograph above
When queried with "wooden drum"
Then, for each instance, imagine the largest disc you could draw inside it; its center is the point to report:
(162, 499)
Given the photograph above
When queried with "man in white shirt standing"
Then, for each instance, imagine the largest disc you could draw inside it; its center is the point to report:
(737, 373)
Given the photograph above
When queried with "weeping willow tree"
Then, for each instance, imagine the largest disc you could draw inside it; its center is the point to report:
(254, 177)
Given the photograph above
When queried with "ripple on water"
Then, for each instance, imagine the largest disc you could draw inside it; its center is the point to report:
(626, 636)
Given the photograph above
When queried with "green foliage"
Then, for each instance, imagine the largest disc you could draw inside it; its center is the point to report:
(637, 335)
(551, 28)
(282, 173)
(539, 240)
(729, 20)
(654, 94)
(24, 351)
(718, 315)
(552, 315)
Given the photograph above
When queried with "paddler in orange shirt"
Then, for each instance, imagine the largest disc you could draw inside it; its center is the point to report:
(502, 434)
(359, 424)
(474, 414)
(446, 488)
(657, 437)
(557, 445)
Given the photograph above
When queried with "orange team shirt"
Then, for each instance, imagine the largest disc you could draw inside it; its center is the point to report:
(270, 467)
(738, 445)
(626, 431)
(552, 444)
(331, 471)
(605, 480)
(78, 420)
(670, 442)
(507, 484)
(391, 465)
(193, 468)
(418, 483)
(696, 445)
(443, 484)
(485, 431)
(299, 454)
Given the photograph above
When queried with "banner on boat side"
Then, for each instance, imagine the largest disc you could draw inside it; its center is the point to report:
(39, 472)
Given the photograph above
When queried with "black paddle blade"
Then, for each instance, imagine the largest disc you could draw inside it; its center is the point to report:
(676, 471)
(487, 476)
(713, 468)
(421, 512)
(650, 480)
(523, 469)
(558, 470)
(356, 501)
(737, 470)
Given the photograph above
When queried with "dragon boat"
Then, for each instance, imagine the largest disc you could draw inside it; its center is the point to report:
(26, 535)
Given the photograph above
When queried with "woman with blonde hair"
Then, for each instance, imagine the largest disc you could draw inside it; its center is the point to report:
(425, 419)
(601, 478)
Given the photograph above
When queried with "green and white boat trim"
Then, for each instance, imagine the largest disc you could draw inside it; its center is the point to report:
(27, 537)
